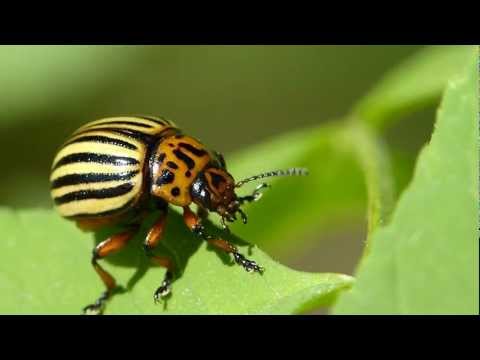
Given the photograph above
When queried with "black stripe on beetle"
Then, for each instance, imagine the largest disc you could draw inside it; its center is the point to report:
(185, 158)
(166, 177)
(94, 194)
(192, 149)
(155, 120)
(159, 120)
(134, 134)
(122, 122)
(95, 158)
(76, 179)
(103, 140)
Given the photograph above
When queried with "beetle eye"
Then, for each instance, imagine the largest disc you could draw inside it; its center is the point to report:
(200, 192)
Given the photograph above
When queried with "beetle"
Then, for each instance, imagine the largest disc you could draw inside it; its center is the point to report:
(115, 170)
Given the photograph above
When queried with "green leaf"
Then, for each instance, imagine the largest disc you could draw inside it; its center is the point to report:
(46, 269)
(418, 82)
(426, 260)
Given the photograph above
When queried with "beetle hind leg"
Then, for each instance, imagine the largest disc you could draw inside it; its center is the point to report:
(105, 248)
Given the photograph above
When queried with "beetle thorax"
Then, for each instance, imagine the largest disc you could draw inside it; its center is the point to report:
(174, 164)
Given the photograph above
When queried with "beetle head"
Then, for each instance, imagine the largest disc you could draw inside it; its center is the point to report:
(214, 190)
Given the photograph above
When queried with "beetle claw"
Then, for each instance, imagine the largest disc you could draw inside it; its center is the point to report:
(248, 265)
(164, 290)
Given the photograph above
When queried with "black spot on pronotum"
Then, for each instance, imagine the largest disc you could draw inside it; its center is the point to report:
(166, 177)
(172, 165)
(188, 173)
(192, 149)
(161, 157)
(185, 158)
(175, 191)
(171, 145)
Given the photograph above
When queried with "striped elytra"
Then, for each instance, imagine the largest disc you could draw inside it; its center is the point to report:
(100, 169)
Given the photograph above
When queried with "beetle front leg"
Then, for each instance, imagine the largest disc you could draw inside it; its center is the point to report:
(194, 224)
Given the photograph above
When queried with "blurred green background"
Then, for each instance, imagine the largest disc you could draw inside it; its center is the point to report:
(227, 96)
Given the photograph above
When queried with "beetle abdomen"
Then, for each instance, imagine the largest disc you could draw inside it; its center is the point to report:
(100, 169)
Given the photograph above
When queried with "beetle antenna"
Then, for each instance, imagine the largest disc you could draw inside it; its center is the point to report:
(287, 172)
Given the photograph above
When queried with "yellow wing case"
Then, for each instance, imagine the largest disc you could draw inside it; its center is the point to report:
(99, 170)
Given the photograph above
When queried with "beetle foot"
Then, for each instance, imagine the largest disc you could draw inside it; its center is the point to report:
(165, 289)
(98, 306)
(248, 265)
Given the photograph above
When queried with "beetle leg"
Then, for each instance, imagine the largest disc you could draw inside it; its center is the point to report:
(202, 213)
(255, 196)
(194, 224)
(153, 238)
(105, 248)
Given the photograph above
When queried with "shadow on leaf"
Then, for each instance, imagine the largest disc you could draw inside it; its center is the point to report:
(178, 243)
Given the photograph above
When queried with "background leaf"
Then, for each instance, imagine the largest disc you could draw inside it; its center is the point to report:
(414, 84)
(230, 97)
(426, 260)
(40, 78)
(345, 162)
(57, 276)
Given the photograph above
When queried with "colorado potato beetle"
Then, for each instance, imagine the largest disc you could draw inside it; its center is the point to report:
(112, 171)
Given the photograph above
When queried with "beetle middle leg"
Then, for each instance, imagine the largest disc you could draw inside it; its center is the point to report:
(105, 248)
(153, 238)
(194, 224)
